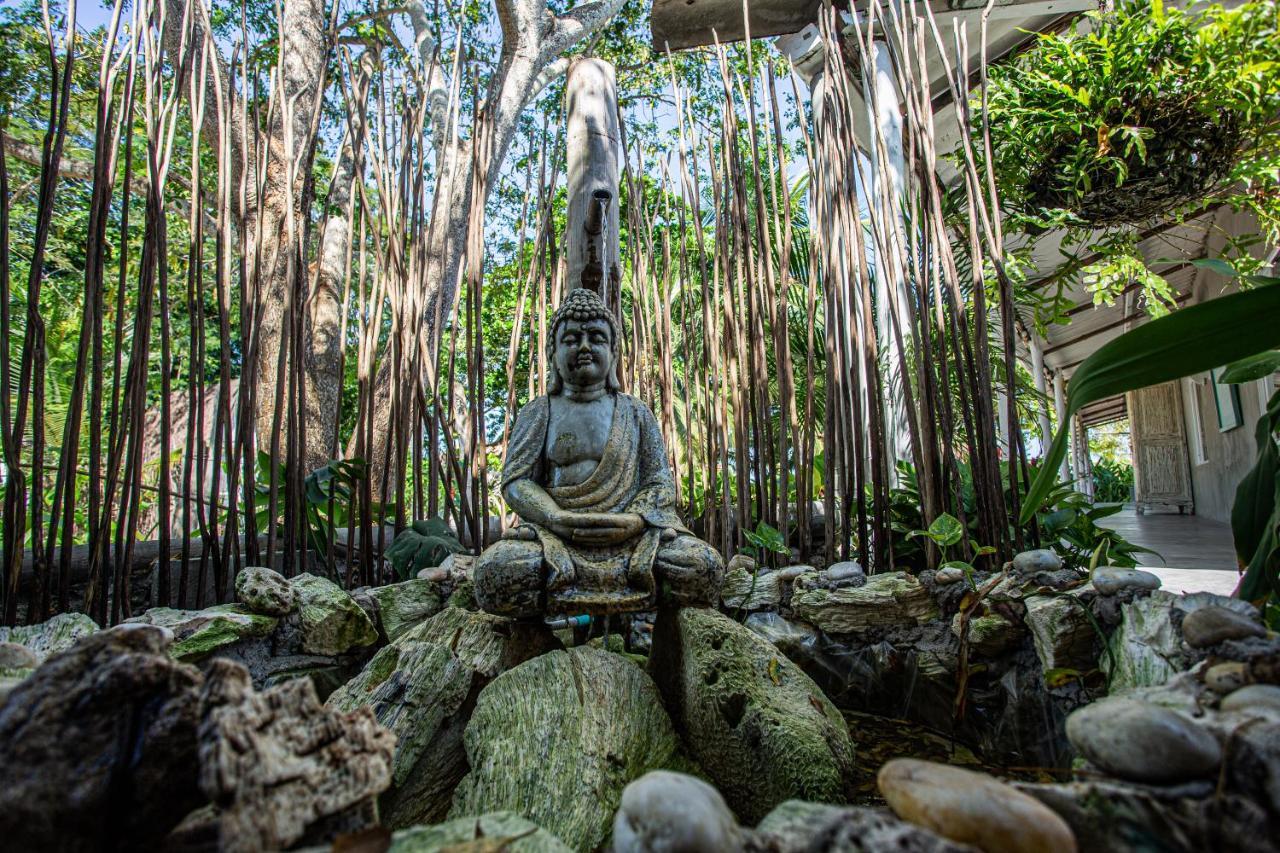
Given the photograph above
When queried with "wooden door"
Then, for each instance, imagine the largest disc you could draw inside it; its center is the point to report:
(1161, 474)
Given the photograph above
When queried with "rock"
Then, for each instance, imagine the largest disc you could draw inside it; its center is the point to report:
(16, 657)
(948, 575)
(557, 738)
(1145, 649)
(422, 688)
(261, 590)
(98, 746)
(788, 574)
(847, 573)
(1252, 697)
(50, 637)
(741, 561)
(331, 621)
(800, 827)
(1142, 742)
(887, 600)
(793, 639)
(1061, 631)
(1209, 626)
(1227, 677)
(1119, 817)
(403, 605)
(747, 591)
(500, 832)
(757, 725)
(1035, 561)
(282, 768)
(435, 574)
(664, 812)
(972, 808)
(463, 596)
(1109, 580)
(990, 634)
(199, 633)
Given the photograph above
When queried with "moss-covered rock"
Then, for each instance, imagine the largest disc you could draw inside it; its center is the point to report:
(501, 830)
(989, 634)
(887, 600)
(557, 739)
(760, 728)
(262, 590)
(751, 591)
(331, 621)
(48, 638)
(403, 605)
(198, 633)
(423, 687)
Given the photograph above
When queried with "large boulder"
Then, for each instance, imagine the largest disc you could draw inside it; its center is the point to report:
(760, 728)
(888, 600)
(331, 621)
(283, 769)
(400, 606)
(499, 831)
(423, 687)
(558, 738)
(98, 746)
(199, 633)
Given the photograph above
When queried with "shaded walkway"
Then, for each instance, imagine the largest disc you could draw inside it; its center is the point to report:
(1194, 553)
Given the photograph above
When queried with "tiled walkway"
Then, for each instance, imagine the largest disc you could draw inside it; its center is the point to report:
(1194, 553)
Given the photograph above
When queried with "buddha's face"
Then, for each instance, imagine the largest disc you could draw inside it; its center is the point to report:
(584, 354)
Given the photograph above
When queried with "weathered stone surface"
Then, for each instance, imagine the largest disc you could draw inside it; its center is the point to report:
(198, 633)
(50, 637)
(748, 591)
(760, 728)
(331, 620)
(886, 600)
(740, 561)
(1254, 697)
(1209, 626)
(800, 827)
(847, 573)
(665, 811)
(422, 688)
(948, 575)
(1142, 742)
(98, 746)
(788, 574)
(1145, 648)
(403, 605)
(1124, 818)
(498, 831)
(1108, 580)
(1227, 677)
(557, 738)
(282, 768)
(1063, 636)
(261, 590)
(1035, 561)
(15, 657)
(972, 808)
(990, 634)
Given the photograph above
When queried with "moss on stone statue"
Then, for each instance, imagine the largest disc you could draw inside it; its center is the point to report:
(759, 727)
(331, 621)
(557, 739)
(502, 830)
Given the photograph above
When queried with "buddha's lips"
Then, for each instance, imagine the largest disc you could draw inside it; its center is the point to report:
(585, 360)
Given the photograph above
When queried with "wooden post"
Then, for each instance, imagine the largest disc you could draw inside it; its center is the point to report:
(591, 220)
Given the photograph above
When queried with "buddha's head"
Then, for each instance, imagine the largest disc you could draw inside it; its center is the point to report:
(583, 348)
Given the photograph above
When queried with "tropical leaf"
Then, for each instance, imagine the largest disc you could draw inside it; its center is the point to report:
(1187, 341)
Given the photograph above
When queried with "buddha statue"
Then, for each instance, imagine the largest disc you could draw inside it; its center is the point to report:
(586, 471)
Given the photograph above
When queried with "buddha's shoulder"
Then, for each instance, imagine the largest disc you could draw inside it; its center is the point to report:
(635, 404)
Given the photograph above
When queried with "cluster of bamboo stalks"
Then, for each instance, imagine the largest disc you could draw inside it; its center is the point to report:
(779, 342)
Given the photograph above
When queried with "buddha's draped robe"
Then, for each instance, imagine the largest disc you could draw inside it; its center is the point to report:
(632, 476)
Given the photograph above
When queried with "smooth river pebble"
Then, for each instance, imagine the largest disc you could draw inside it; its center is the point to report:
(1142, 742)
(1108, 580)
(1209, 626)
(1253, 696)
(664, 812)
(972, 808)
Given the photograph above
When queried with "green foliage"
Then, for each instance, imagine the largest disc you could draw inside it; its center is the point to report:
(1112, 481)
(1073, 529)
(765, 539)
(1255, 514)
(1188, 341)
(422, 545)
(1185, 97)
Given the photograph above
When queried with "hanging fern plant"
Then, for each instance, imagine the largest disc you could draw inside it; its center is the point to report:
(1150, 112)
